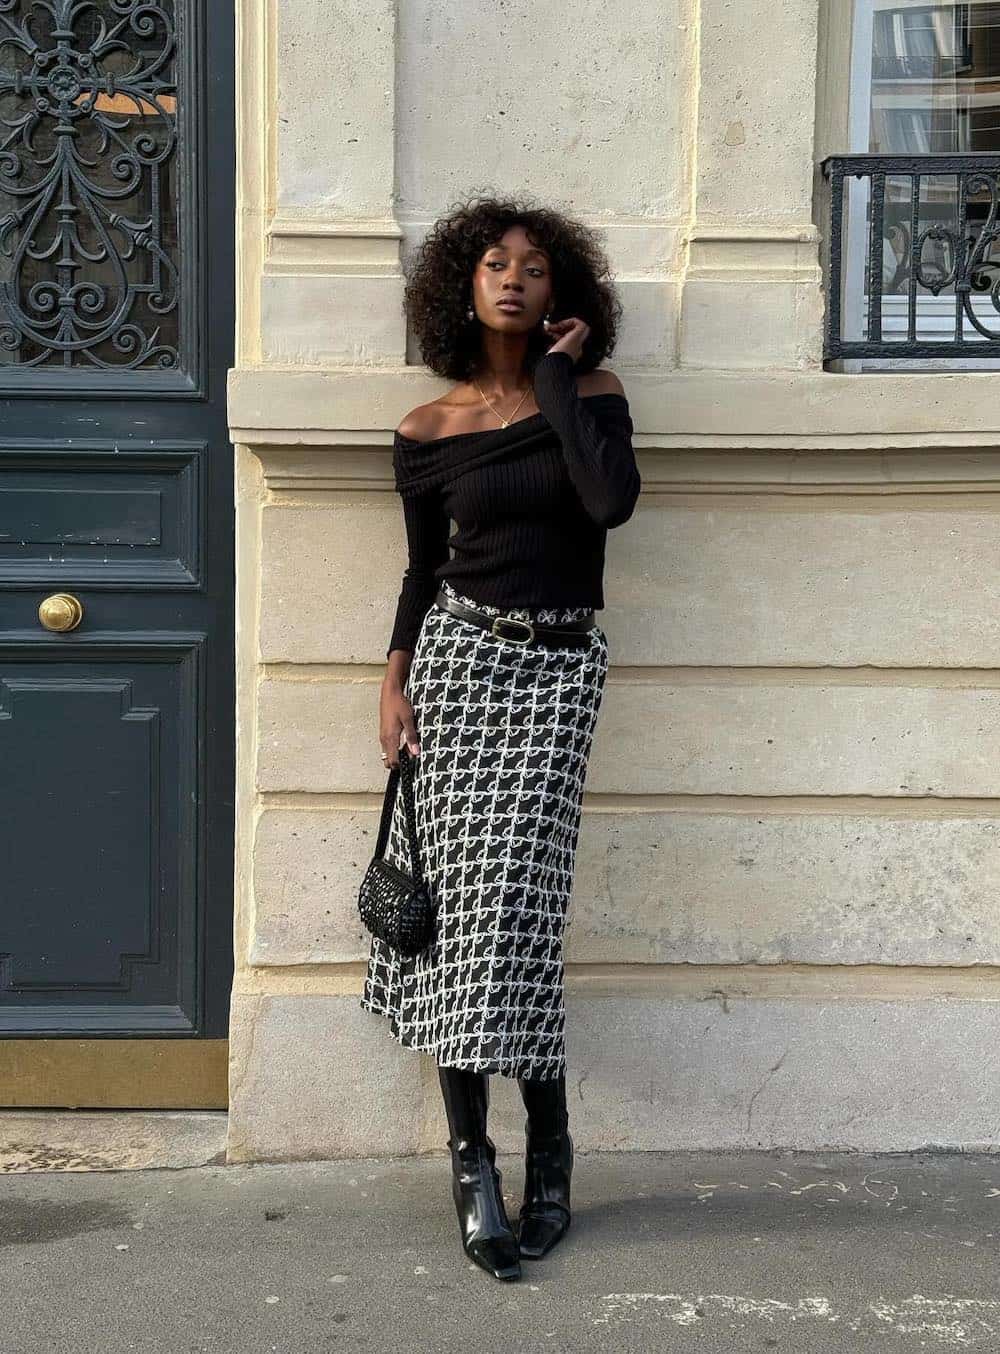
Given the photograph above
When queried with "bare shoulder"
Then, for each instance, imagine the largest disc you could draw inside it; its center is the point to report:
(437, 418)
(599, 382)
(421, 423)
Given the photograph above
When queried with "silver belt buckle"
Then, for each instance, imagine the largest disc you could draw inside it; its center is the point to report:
(513, 620)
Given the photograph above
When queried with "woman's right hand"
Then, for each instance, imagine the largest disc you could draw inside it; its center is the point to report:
(395, 718)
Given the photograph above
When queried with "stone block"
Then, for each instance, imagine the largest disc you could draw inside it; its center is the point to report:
(316, 1077)
(773, 888)
(308, 867)
(330, 578)
(819, 580)
(762, 735)
(676, 887)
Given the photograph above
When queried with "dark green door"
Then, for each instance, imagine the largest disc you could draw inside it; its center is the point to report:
(116, 551)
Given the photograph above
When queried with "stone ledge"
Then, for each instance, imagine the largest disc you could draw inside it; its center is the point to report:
(833, 982)
(360, 406)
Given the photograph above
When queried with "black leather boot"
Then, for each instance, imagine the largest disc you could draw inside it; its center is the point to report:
(487, 1235)
(548, 1166)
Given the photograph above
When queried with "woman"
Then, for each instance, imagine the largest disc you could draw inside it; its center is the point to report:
(495, 675)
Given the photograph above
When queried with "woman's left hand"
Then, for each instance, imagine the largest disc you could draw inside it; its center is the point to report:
(570, 335)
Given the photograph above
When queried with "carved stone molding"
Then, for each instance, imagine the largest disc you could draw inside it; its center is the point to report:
(317, 244)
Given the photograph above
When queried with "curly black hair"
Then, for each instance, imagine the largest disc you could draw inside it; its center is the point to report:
(438, 290)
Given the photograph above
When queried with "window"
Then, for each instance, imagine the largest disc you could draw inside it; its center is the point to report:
(925, 81)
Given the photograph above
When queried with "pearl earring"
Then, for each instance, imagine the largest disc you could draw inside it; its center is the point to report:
(470, 314)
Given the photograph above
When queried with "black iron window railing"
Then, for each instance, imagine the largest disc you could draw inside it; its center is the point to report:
(910, 270)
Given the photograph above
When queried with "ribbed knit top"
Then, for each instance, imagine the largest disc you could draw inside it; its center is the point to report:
(532, 503)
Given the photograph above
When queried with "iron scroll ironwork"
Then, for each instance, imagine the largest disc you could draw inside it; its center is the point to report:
(89, 214)
(926, 272)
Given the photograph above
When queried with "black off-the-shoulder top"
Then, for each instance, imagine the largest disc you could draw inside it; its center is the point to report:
(532, 503)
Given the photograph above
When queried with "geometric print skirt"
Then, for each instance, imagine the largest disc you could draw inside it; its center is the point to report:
(505, 732)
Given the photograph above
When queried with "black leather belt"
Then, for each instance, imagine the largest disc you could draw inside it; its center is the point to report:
(568, 634)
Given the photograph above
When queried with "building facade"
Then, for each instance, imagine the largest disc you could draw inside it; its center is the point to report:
(784, 929)
(783, 925)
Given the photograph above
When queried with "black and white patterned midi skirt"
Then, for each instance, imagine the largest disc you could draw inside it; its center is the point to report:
(505, 735)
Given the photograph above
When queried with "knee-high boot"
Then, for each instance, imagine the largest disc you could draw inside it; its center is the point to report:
(548, 1166)
(487, 1236)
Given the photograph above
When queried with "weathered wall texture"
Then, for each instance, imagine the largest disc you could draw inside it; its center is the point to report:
(784, 926)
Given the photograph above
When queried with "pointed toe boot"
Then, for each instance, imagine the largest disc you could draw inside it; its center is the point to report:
(548, 1167)
(487, 1236)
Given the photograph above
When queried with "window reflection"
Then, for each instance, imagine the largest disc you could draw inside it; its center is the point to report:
(934, 89)
(935, 78)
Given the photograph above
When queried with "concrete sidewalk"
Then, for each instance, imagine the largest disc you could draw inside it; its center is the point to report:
(734, 1253)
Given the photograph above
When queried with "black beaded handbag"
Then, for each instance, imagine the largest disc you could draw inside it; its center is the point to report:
(395, 906)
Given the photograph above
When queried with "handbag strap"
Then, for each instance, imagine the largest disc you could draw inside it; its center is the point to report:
(400, 775)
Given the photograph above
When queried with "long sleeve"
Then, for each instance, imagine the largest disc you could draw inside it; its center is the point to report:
(426, 524)
(597, 448)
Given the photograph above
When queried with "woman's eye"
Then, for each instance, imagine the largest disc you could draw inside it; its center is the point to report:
(536, 272)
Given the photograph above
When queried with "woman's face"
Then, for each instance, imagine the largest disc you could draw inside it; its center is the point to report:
(516, 272)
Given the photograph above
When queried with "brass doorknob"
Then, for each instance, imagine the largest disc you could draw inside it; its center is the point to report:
(61, 611)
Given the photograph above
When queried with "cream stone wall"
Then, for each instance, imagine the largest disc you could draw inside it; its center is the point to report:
(783, 928)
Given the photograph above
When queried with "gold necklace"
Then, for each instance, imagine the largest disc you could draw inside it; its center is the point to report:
(504, 422)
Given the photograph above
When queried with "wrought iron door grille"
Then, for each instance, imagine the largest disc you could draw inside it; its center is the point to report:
(89, 235)
(910, 267)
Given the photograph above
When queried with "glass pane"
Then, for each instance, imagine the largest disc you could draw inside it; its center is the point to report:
(88, 184)
(931, 87)
(935, 78)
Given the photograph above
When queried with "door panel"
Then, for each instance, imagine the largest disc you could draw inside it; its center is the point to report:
(103, 515)
(89, 945)
(116, 735)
